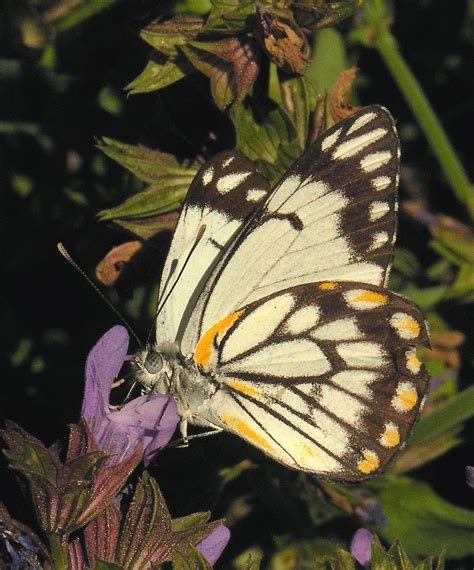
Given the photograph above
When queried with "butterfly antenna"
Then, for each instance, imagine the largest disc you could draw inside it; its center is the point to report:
(67, 257)
(200, 233)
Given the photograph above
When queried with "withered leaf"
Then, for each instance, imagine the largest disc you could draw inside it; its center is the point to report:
(110, 267)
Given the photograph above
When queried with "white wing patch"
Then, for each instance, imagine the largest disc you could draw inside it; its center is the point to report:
(375, 161)
(258, 326)
(357, 144)
(231, 181)
(279, 360)
(362, 354)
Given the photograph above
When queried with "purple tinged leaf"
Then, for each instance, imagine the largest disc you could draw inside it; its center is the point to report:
(470, 476)
(147, 525)
(361, 546)
(232, 65)
(101, 535)
(76, 559)
(213, 545)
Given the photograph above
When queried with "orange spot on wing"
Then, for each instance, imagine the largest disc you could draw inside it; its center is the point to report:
(369, 464)
(244, 389)
(390, 437)
(203, 352)
(371, 297)
(328, 285)
(413, 364)
(245, 431)
(411, 326)
(408, 399)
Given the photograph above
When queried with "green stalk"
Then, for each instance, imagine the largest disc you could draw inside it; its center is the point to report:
(385, 43)
(58, 551)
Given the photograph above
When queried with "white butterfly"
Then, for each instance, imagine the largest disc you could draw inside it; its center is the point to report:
(273, 322)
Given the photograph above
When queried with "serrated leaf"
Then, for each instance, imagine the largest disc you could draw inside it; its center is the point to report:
(167, 36)
(143, 213)
(148, 165)
(147, 203)
(266, 135)
(232, 65)
(159, 72)
(424, 522)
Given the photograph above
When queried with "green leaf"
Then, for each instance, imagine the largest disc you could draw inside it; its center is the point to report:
(166, 37)
(152, 202)
(265, 134)
(380, 559)
(159, 72)
(423, 522)
(399, 557)
(413, 457)
(328, 60)
(185, 523)
(297, 98)
(456, 411)
(144, 213)
(192, 560)
(146, 164)
(345, 560)
(230, 16)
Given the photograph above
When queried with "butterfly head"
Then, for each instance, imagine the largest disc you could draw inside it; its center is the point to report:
(155, 370)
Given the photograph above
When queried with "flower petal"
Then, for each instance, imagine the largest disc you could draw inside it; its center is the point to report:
(212, 546)
(361, 546)
(103, 365)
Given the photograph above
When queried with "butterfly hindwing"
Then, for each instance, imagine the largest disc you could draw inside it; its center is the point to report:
(323, 377)
(224, 193)
(332, 216)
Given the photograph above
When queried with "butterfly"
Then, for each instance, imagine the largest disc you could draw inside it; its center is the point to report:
(273, 320)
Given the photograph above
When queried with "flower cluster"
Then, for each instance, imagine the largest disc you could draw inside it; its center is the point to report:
(78, 501)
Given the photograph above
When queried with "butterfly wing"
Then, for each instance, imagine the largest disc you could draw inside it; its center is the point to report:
(332, 216)
(224, 193)
(323, 377)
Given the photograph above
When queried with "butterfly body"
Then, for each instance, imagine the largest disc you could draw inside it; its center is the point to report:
(273, 319)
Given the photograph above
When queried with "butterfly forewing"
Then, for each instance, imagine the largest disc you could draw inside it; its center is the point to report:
(323, 377)
(332, 216)
(223, 194)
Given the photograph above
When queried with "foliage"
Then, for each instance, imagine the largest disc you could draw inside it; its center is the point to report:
(265, 78)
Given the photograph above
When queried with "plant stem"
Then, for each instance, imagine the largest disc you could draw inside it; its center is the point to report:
(385, 43)
(58, 551)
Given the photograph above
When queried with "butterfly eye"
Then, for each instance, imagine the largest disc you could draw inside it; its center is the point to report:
(153, 362)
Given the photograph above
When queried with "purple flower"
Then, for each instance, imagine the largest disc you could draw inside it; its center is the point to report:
(147, 420)
(470, 476)
(361, 546)
(212, 546)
